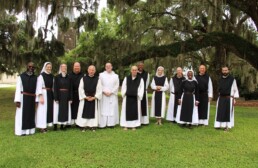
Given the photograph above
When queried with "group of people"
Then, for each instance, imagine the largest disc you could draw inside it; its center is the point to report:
(91, 101)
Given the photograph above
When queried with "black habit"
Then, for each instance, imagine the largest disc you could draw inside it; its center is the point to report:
(159, 81)
(131, 98)
(75, 78)
(223, 111)
(29, 83)
(177, 85)
(90, 86)
(144, 76)
(48, 80)
(203, 83)
(189, 89)
(63, 94)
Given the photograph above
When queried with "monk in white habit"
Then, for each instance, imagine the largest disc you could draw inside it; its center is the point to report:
(132, 93)
(45, 94)
(159, 86)
(228, 92)
(144, 102)
(25, 100)
(109, 116)
(90, 92)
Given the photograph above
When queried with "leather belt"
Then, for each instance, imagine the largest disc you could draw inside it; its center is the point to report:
(28, 94)
(63, 89)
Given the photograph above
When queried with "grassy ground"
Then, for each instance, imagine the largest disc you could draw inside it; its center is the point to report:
(150, 146)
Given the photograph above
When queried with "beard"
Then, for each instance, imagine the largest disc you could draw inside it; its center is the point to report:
(225, 74)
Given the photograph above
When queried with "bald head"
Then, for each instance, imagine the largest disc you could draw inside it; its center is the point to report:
(91, 70)
(202, 69)
(30, 67)
(108, 67)
(179, 72)
(76, 67)
(134, 70)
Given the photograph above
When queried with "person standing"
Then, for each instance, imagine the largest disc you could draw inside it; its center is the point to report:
(144, 102)
(228, 92)
(174, 85)
(75, 76)
(25, 100)
(132, 93)
(205, 95)
(44, 91)
(63, 98)
(158, 103)
(187, 113)
(109, 103)
(90, 92)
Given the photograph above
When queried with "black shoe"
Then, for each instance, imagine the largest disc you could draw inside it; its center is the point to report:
(55, 127)
(68, 126)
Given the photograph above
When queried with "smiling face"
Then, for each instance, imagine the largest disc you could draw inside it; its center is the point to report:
(30, 67)
(48, 68)
(190, 75)
(63, 68)
(160, 71)
(76, 67)
(140, 66)
(202, 69)
(108, 67)
(134, 71)
(91, 70)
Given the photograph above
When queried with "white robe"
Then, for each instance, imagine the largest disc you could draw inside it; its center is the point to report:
(109, 115)
(210, 95)
(234, 93)
(145, 119)
(82, 122)
(163, 104)
(18, 116)
(134, 123)
(171, 103)
(41, 114)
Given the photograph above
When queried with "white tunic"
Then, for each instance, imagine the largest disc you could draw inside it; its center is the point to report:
(145, 119)
(82, 122)
(134, 123)
(18, 116)
(109, 115)
(41, 115)
(163, 104)
(171, 103)
(210, 95)
(234, 93)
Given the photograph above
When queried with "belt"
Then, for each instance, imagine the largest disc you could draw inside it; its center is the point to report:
(28, 94)
(47, 88)
(227, 96)
(63, 89)
(173, 93)
(90, 94)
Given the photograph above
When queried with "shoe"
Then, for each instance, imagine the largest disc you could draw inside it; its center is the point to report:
(55, 127)
(125, 128)
(134, 129)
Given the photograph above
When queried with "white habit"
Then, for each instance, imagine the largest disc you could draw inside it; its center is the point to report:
(82, 122)
(134, 123)
(109, 115)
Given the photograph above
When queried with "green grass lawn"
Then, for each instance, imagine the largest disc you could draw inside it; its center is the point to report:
(150, 146)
